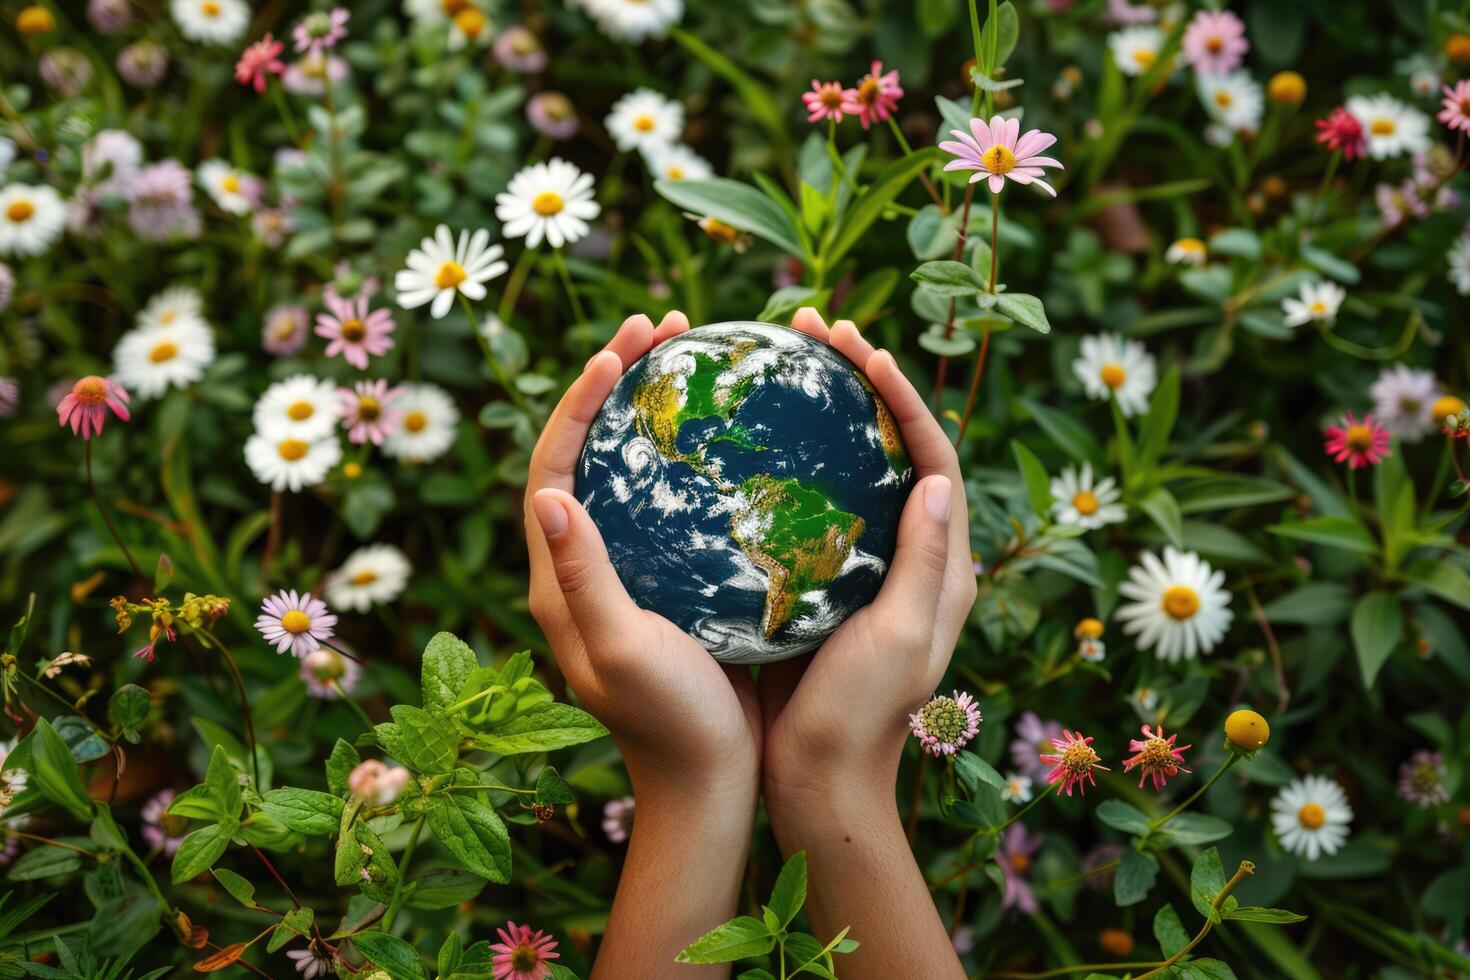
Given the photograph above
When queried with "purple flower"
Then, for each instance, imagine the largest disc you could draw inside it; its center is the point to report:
(1033, 737)
(110, 16)
(284, 331)
(617, 819)
(161, 202)
(1014, 858)
(519, 50)
(1421, 779)
(552, 114)
(9, 397)
(162, 832)
(143, 63)
(320, 31)
(295, 623)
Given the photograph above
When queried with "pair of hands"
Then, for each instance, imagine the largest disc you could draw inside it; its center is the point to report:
(814, 728)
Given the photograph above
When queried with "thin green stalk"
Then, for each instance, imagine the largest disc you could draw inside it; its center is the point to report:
(566, 280)
(106, 519)
(278, 96)
(996, 831)
(357, 709)
(514, 284)
(1154, 825)
(496, 367)
(244, 697)
(396, 899)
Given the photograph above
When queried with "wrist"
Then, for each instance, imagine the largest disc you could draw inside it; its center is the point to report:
(825, 799)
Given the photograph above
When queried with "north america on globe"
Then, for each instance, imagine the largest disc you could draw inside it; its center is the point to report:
(747, 481)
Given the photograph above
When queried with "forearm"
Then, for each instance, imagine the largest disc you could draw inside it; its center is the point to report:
(686, 858)
(862, 874)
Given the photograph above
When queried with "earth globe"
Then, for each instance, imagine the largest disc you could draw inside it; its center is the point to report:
(748, 482)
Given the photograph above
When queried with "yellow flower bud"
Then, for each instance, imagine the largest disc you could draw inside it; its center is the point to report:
(1247, 730)
(1287, 88)
(35, 20)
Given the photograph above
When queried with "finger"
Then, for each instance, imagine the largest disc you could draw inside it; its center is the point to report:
(632, 340)
(810, 322)
(850, 343)
(928, 446)
(673, 324)
(554, 460)
(595, 597)
(911, 590)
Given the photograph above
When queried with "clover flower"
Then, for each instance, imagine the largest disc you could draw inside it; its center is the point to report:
(997, 153)
(298, 623)
(85, 407)
(1421, 779)
(142, 64)
(283, 331)
(163, 831)
(1357, 443)
(1072, 763)
(259, 62)
(328, 674)
(945, 725)
(521, 953)
(520, 50)
(110, 16)
(552, 114)
(1156, 757)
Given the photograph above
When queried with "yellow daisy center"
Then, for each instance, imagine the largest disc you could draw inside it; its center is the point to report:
(675, 173)
(415, 421)
(1086, 502)
(352, 470)
(230, 184)
(1190, 246)
(998, 160)
(1112, 375)
(368, 408)
(1180, 602)
(291, 449)
(1383, 126)
(209, 8)
(365, 577)
(452, 7)
(165, 351)
(300, 411)
(20, 211)
(450, 275)
(1318, 308)
(547, 203)
(1215, 44)
(470, 22)
(868, 91)
(1311, 816)
(1360, 437)
(296, 621)
(1224, 99)
(644, 123)
(1144, 58)
(353, 329)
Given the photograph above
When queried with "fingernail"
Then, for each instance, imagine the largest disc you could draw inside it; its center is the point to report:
(550, 514)
(936, 497)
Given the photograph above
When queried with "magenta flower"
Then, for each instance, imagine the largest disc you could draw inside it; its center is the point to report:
(875, 97)
(1073, 762)
(353, 331)
(259, 62)
(1342, 131)
(995, 152)
(522, 954)
(1014, 857)
(163, 833)
(320, 31)
(1156, 756)
(1033, 736)
(1214, 42)
(826, 99)
(944, 725)
(295, 623)
(366, 411)
(1357, 443)
(85, 407)
(1421, 779)
(1456, 111)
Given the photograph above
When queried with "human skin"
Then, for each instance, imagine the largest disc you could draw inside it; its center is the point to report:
(821, 736)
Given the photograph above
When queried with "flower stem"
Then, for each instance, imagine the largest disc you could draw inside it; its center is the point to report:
(1035, 801)
(985, 336)
(1154, 825)
(961, 234)
(903, 144)
(278, 96)
(571, 288)
(396, 899)
(357, 709)
(244, 697)
(101, 509)
(514, 284)
(1327, 176)
(496, 367)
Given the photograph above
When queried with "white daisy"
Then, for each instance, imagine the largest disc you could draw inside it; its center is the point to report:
(290, 463)
(147, 360)
(31, 218)
(174, 306)
(547, 200)
(427, 426)
(211, 21)
(677, 162)
(1234, 99)
(1076, 500)
(1017, 789)
(1458, 259)
(1093, 650)
(1144, 701)
(468, 28)
(375, 573)
(229, 187)
(645, 120)
(1135, 49)
(1311, 817)
(1390, 127)
(1179, 607)
(1317, 301)
(1403, 400)
(1111, 366)
(1187, 251)
(634, 20)
(301, 407)
(441, 268)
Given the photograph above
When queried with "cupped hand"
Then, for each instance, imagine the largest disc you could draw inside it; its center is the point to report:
(839, 717)
(683, 723)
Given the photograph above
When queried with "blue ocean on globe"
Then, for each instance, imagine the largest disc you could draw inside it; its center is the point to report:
(748, 482)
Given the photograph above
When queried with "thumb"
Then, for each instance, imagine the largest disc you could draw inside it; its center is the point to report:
(594, 594)
(910, 593)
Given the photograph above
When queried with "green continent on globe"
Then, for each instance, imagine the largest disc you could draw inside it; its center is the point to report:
(662, 407)
(796, 537)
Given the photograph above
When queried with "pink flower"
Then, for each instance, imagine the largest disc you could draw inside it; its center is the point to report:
(1014, 857)
(377, 782)
(994, 152)
(321, 30)
(328, 673)
(295, 623)
(1397, 202)
(875, 97)
(1421, 779)
(519, 50)
(1124, 12)
(259, 62)
(163, 833)
(366, 411)
(552, 114)
(1342, 131)
(85, 406)
(1214, 42)
(353, 331)
(1357, 443)
(522, 954)
(1073, 762)
(1156, 756)
(826, 99)
(1033, 736)
(617, 819)
(1456, 111)
(944, 725)
(284, 330)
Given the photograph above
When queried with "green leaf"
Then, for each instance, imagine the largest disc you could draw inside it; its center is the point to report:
(551, 788)
(296, 922)
(1237, 242)
(949, 278)
(1025, 309)
(45, 862)
(1038, 485)
(999, 36)
(472, 832)
(448, 662)
(1253, 913)
(240, 889)
(1346, 533)
(543, 729)
(1162, 508)
(451, 954)
(1134, 877)
(1122, 816)
(788, 895)
(738, 205)
(128, 708)
(340, 763)
(222, 781)
(1158, 423)
(973, 771)
(1205, 969)
(124, 925)
(55, 770)
(735, 940)
(1445, 580)
(1223, 491)
(1314, 604)
(420, 741)
(1206, 879)
(1070, 435)
(198, 851)
(1195, 828)
(1377, 625)
(957, 344)
(304, 810)
(443, 888)
(871, 204)
(390, 953)
(1169, 931)
(197, 803)
(1327, 263)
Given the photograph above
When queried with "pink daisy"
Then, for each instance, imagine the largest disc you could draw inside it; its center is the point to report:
(875, 97)
(995, 152)
(259, 62)
(1033, 735)
(353, 331)
(295, 623)
(1073, 762)
(1456, 111)
(1357, 443)
(1156, 756)
(85, 406)
(826, 99)
(944, 725)
(1214, 42)
(1342, 131)
(522, 954)
(366, 411)
(321, 30)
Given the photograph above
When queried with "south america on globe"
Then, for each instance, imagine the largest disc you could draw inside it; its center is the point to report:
(748, 482)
